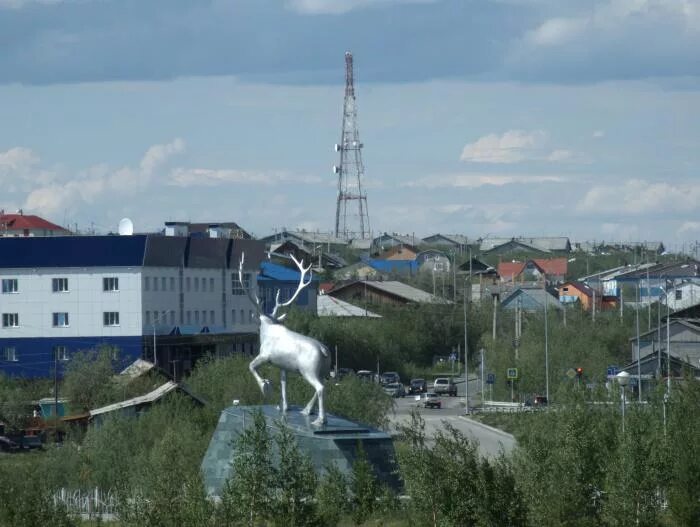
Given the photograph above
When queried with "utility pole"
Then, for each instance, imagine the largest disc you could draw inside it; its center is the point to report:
(350, 170)
(466, 356)
(55, 395)
(639, 361)
(546, 340)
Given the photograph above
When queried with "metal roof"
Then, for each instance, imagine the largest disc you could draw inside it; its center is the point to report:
(543, 244)
(328, 306)
(406, 291)
(141, 399)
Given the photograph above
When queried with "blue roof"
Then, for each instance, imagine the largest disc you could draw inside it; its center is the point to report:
(72, 251)
(394, 266)
(280, 273)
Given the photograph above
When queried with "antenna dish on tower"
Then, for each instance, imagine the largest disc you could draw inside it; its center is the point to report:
(126, 227)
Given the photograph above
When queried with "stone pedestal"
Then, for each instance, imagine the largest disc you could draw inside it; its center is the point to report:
(336, 442)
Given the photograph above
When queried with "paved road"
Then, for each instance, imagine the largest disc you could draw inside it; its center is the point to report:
(491, 441)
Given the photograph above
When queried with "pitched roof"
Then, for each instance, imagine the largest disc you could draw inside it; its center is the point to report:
(584, 288)
(539, 295)
(398, 289)
(509, 270)
(456, 239)
(29, 221)
(328, 306)
(552, 266)
(542, 244)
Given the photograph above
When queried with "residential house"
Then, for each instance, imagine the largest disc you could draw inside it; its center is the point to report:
(543, 245)
(530, 299)
(63, 294)
(389, 292)
(306, 239)
(330, 306)
(433, 261)
(682, 295)
(455, 242)
(316, 256)
(386, 241)
(359, 271)
(554, 269)
(28, 225)
(578, 292)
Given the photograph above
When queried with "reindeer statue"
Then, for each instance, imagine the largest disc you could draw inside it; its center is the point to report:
(288, 350)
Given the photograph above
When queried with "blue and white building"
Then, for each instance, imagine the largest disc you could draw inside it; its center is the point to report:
(179, 296)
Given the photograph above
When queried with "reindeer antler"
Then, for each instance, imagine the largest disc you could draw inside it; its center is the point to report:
(253, 298)
(301, 286)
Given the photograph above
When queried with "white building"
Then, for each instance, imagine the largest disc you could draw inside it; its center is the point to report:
(63, 294)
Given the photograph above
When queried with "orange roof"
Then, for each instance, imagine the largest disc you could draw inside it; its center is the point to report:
(509, 270)
(553, 266)
(21, 221)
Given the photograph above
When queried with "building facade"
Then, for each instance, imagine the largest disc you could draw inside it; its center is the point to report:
(167, 299)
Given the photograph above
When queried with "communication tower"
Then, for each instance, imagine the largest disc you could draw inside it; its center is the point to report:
(350, 170)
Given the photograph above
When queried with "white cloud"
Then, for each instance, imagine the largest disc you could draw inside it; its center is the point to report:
(515, 146)
(17, 160)
(612, 16)
(18, 4)
(689, 226)
(511, 147)
(481, 180)
(52, 196)
(598, 134)
(335, 7)
(204, 177)
(157, 155)
(637, 197)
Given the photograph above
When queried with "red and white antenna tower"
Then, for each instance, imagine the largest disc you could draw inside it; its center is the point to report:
(350, 170)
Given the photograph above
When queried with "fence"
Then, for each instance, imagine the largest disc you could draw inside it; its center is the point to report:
(88, 504)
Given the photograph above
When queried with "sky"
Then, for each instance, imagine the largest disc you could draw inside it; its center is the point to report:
(576, 118)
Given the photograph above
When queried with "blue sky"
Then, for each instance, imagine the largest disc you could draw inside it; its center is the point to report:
(479, 117)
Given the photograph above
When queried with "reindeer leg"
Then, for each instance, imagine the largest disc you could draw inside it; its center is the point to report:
(321, 419)
(307, 409)
(283, 385)
(264, 384)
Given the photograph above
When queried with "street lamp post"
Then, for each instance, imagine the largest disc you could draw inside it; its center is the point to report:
(466, 357)
(623, 379)
(156, 319)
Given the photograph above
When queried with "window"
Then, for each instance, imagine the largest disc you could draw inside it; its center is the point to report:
(196, 283)
(187, 284)
(172, 318)
(59, 285)
(204, 317)
(10, 320)
(679, 294)
(148, 317)
(189, 317)
(242, 316)
(250, 316)
(110, 283)
(211, 285)
(110, 318)
(162, 283)
(146, 283)
(10, 354)
(60, 320)
(204, 285)
(61, 352)
(196, 317)
(233, 317)
(212, 317)
(9, 285)
(155, 283)
(236, 288)
(172, 283)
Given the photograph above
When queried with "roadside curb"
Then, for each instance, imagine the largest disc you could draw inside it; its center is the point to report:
(489, 428)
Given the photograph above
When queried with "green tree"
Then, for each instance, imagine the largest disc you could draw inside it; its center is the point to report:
(332, 496)
(363, 487)
(248, 496)
(88, 382)
(296, 480)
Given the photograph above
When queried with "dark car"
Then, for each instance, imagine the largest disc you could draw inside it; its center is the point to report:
(389, 377)
(394, 389)
(432, 400)
(417, 386)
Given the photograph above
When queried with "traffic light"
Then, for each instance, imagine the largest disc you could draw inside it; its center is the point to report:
(579, 372)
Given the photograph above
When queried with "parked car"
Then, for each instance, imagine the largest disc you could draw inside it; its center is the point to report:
(365, 375)
(394, 389)
(344, 372)
(432, 400)
(445, 385)
(417, 386)
(389, 377)
(7, 444)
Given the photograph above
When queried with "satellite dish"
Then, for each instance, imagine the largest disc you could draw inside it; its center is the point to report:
(126, 227)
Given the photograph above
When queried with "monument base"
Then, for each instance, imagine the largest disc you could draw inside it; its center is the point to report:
(336, 442)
